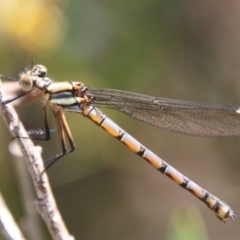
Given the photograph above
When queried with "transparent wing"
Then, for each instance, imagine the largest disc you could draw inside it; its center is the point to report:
(184, 117)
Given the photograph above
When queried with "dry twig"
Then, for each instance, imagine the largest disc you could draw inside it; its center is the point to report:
(8, 226)
(45, 203)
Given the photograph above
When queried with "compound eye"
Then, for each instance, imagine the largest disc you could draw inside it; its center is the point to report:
(26, 82)
(41, 71)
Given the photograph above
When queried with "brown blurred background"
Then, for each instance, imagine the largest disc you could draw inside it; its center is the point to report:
(172, 49)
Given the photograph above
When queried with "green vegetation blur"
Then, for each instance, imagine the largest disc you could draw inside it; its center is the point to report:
(172, 49)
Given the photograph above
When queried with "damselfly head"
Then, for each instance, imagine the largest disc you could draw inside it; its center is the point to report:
(29, 78)
(39, 71)
(26, 81)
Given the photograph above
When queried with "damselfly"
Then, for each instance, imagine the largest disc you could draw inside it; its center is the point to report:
(180, 116)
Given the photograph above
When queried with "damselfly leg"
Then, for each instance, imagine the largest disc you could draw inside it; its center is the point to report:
(64, 134)
(62, 126)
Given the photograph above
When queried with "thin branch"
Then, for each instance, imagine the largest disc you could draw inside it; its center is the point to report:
(30, 223)
(45, 203)
(8, 226)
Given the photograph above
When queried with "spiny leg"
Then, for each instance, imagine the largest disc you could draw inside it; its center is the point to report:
(47, 131)
(14, 98)
(64, 132)
(35, 131)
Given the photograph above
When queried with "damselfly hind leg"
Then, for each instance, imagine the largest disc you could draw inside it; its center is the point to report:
(65, 136)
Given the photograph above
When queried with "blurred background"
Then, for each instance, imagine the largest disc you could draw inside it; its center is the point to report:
(173, 49)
